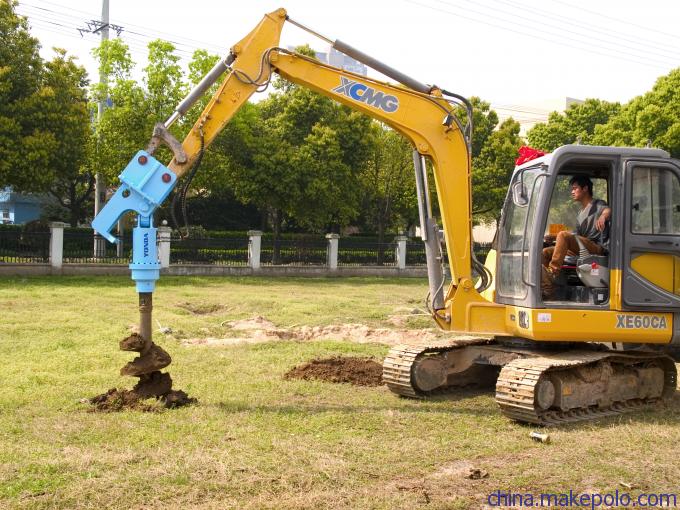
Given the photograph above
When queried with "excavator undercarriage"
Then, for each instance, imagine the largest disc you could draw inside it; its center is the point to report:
(535, 385)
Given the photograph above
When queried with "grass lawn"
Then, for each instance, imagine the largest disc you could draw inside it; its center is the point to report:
(256, 440)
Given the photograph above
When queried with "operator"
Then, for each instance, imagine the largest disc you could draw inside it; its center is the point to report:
(590, 229)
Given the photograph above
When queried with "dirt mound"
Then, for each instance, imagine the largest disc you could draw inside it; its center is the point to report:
(256, 323)
(353, 370)
(121, 400)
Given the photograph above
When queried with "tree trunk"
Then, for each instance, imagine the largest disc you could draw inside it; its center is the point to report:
(381, 240)
(276, 253)
(74, 207)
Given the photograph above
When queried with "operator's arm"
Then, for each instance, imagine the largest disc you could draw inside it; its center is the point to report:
(603, 219)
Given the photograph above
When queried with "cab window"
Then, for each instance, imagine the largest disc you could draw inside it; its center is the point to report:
(656, 201)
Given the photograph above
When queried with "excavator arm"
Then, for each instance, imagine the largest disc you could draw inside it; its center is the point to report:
(421, 113)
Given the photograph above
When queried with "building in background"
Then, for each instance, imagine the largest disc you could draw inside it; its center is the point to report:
(532, 112)
(338, 59)
(16, 208)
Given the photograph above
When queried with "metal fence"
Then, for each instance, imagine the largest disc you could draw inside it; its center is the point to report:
(19, 247)
(294, 252)
(356, 252)
(225, 252)
(415, 252)
(79, 249)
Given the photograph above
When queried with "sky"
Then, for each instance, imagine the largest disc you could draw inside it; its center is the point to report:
(524, 56)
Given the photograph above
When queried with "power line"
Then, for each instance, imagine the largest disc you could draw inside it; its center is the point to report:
(136, 45)
(619, 20)
(535, 36)
(536, 26)
(580, 24)
(173, 38)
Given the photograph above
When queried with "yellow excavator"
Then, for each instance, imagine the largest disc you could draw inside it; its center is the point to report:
(601, 344)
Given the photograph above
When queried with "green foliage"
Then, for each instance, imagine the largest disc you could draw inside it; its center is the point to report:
(577, 123)
(492, 170)
(25, 143)
(126, 127)
(484, 121)
(494, 150)
(389, 199)
(652, 118)
(44, 122)
(296, 156)
(165, 87)
(66, 115)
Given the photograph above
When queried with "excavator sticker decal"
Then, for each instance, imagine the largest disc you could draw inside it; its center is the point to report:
(365, 94)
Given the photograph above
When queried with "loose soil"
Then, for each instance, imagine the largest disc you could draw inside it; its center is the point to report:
(353, 370)
(120, 400)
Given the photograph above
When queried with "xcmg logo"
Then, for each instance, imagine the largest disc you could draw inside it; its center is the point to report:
(368, 95)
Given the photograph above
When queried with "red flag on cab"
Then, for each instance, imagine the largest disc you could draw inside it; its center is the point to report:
(527, 153)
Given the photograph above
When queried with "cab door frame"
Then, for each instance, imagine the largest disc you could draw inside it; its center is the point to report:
(637, 292)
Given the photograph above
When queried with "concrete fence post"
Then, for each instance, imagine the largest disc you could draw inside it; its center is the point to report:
(332, 251)
(254, 248)
(57, 244)
(164, 240)
(400, 249)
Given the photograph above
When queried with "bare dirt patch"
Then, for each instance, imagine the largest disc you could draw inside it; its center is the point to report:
(201, 308)
(258, 330)
(257, 323)
(353, 370)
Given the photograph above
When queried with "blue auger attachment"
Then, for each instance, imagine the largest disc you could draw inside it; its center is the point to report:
(145, 183)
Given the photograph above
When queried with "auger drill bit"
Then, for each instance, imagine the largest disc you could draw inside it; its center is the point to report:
(152, 358)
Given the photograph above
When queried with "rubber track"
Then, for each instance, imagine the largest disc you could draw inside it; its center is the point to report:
(517, 381)
(398, 364)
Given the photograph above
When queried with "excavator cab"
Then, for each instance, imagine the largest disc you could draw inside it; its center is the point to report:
(640, 267)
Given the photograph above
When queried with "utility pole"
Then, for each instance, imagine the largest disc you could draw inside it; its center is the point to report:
(99, 184)
(101, 27)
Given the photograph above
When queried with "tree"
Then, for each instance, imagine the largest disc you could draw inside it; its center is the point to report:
(123, 128)
(577, 124)
(492, 171)
(296, 156)
(25, 144)
(494, 149)
(65, 114)
(388, 183)
(127, 126)
(652, 118)
(484, 121)
(44, 122)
